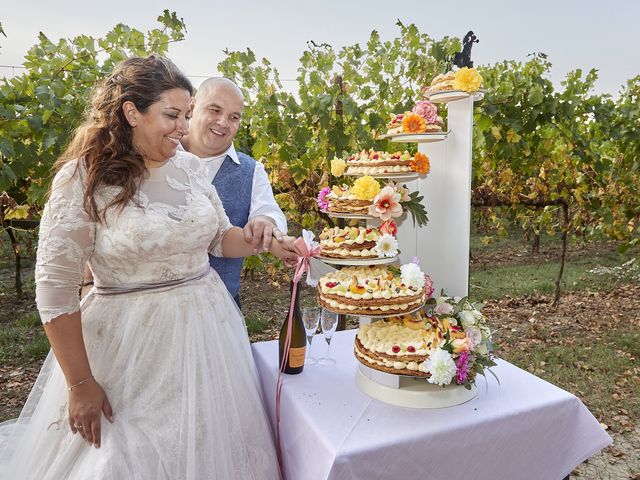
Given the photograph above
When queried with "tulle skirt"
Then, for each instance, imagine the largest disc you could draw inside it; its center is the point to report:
(177, 368)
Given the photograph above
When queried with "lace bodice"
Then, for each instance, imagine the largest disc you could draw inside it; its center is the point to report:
(165, 235)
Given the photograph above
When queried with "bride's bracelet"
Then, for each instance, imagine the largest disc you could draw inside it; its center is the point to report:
(80, 383)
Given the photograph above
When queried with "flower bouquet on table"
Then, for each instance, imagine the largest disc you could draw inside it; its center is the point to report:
(423, 118)
(465, 348)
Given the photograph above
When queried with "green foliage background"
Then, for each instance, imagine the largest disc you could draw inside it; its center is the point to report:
(535, 148)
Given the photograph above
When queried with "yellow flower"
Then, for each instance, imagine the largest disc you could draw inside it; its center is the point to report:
(365, 188)
(337, 167)
(467, 80)
(412, 123)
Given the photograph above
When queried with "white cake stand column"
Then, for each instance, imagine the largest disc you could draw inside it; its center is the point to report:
(443, 245)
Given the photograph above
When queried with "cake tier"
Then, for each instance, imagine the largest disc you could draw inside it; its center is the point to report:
(399, 345)
(442, 83)
(369, 291)
(373, 162)
(349, 242)
(369, 307)
(349, 206)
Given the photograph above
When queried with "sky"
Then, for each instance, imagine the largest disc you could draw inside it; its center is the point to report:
(574, 34)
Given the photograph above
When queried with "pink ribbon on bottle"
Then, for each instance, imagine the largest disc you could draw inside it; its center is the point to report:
(306, 251)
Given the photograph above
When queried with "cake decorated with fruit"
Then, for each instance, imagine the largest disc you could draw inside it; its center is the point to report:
(374, 290)
(451, 346)
(423, 118)
(464, 79)
(371, 162)
(341, 199)
(359, 242)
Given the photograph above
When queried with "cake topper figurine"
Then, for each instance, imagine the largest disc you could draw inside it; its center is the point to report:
(463, 59)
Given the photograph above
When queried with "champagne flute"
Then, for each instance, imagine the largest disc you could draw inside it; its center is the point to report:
(329, 323)
(310, 318)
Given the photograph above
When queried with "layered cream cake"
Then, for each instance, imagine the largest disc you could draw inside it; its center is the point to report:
(372, 162)
(372, 291)
(341, 200)
(402, 345)
(350, 242)
(442, 82)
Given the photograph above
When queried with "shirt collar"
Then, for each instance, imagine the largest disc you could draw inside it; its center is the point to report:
(231, 151)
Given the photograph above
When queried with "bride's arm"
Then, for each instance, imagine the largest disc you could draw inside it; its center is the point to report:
(65, 244)
(234, 245)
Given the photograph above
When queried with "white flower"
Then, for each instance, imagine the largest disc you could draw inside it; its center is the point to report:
(467, 318)
(486, 331)
(482, 349)
(444, 309)
(441, 300)
(441, 366)
(386, 246)
(411, 275)
(474, 337)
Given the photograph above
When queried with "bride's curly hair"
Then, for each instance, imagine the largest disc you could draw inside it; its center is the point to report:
(104, 141)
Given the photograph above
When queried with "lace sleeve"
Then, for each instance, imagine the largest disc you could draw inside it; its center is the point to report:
(215, 248)
(64, 246)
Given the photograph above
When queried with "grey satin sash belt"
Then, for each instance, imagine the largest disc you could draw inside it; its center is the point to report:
(141, 287)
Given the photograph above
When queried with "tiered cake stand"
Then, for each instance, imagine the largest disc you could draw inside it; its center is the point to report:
(442, 245)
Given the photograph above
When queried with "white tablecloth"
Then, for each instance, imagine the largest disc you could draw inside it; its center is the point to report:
(522, 428)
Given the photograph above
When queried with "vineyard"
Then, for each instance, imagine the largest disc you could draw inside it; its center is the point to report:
(563, 162)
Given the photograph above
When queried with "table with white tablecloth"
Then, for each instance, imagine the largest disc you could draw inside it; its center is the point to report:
(520, 428)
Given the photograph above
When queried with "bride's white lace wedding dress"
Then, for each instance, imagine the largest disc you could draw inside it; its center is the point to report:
(164, 339)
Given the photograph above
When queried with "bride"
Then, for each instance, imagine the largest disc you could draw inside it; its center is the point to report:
(152, 376)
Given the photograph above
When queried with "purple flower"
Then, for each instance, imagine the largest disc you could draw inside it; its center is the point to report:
(323, 202)
(415, 260)
(463, 367)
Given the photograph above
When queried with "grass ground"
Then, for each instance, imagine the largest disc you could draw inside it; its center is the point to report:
(589, 345)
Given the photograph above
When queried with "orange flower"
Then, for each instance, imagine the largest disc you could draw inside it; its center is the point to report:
(412, 123)
(420, 163)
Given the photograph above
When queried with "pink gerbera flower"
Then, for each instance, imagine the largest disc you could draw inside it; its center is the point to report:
(386, 204)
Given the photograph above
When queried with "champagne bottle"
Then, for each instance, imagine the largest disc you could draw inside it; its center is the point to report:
(298, 346)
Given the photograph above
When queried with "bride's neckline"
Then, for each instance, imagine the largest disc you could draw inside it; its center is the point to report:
(158, 173)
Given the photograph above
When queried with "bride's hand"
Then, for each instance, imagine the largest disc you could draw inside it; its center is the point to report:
(87, 403)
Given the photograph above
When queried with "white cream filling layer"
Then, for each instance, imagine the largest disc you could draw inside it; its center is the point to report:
(383, 169)
(381, 308)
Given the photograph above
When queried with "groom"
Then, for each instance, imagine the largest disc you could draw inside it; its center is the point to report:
(241, 182)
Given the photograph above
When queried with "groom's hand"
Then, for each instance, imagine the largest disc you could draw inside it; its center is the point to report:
(260, 231)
